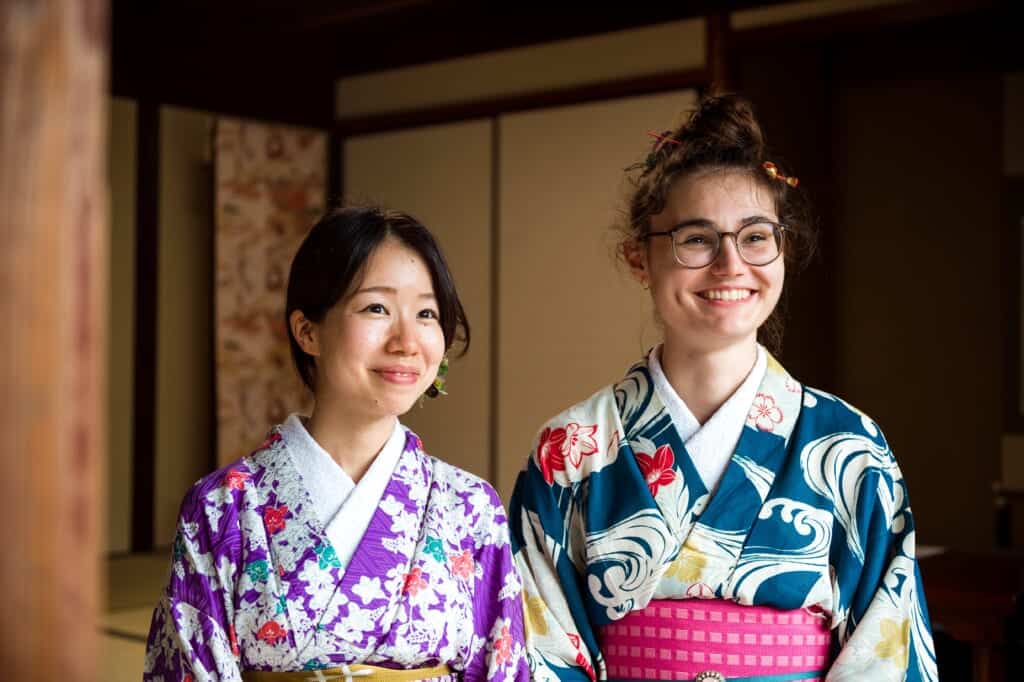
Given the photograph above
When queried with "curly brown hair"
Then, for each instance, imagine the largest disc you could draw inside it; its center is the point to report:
(722, 134)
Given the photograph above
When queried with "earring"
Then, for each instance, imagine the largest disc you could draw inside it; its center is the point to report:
(437, 388)
(645, 284)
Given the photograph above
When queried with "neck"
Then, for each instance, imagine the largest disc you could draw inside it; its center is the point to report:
(705, 379)
(351, 441)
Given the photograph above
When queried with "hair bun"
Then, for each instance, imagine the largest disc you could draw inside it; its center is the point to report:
(725, 125)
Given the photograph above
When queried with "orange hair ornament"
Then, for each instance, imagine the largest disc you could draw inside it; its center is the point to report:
(774, 174)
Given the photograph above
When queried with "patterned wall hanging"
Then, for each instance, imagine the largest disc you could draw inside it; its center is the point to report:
(270, 189)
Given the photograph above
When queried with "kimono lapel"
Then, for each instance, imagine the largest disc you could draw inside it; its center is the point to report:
(301, 555)
(372, 586)
(713, 545)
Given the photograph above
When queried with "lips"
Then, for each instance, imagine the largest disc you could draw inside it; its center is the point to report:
(398, 374)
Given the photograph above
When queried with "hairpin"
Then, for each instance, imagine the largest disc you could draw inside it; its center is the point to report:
(774, 174)
(652, 158)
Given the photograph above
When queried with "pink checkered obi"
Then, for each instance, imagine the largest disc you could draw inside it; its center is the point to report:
(697, 638)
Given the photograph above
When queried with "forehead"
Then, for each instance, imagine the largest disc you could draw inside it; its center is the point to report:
(395, 264)
(721, 196)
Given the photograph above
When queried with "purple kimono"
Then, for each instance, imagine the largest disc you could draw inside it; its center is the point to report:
(256, 585)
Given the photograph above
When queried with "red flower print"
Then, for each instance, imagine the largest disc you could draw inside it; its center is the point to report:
(657, 470)
(414, 581)
(503, 646)
(187, 678)
(235, 479)
(462, 564)
(271, 439)
(549, 453)
(792, 386)
(572, 443)
(764, 413)
(273, 518)
(271, 633)
(579, 441)
(233, 639)
(581, 660)
(280, 570)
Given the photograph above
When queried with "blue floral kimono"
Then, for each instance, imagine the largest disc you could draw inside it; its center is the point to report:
(812, 513)
(256, 585)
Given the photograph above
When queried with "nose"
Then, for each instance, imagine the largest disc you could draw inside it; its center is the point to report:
(403, 339)
(727, 261)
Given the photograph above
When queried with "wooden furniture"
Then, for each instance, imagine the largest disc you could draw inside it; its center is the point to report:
(973, 595)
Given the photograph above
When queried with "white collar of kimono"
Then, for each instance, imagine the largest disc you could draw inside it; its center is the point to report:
(710, 446)
(343, 507)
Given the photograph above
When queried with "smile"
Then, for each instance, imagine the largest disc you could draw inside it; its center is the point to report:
(725, 294)
(398, 375)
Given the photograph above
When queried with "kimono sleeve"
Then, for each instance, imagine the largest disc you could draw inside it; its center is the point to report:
(886, 633)
(498, 606)
(190, 637)
(559, 637)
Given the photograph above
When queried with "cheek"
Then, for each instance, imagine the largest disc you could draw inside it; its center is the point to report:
(432, 342)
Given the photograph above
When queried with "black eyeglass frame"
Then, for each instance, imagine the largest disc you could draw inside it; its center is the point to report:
(778, 228)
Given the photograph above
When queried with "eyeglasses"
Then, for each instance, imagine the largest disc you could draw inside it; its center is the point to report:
(697, 246)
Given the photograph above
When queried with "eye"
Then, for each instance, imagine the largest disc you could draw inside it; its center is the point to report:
(428, 314)
(375, 308)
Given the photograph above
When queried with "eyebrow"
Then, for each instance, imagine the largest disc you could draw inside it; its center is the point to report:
(704, 222)
(389, 290)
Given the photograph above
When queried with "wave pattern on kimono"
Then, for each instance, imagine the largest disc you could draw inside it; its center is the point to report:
(256, 585)
(811, 513)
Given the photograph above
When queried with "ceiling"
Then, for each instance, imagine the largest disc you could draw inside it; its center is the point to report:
(279, 58)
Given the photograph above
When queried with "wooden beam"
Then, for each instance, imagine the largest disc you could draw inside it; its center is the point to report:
(662, 82)
(53, 105)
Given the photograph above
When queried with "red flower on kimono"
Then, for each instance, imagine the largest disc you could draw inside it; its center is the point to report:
(271, 439)
(503, 646)
(233, 638)
(271, 633)
(414, 581)
(572, 443)
(235, 479)
(549, 453)
(462, 564)
(579, 441)
(764, 413)
(657, 470)
(273, 518)
(581, 660)
(187, 678)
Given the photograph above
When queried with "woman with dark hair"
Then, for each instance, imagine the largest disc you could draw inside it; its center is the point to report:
(339, 549)
(708, 517)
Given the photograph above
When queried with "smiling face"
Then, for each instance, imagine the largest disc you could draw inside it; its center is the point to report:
(725, 303)
(378, 349)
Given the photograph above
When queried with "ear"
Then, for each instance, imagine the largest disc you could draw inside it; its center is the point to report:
(306, 333)
(635, 254)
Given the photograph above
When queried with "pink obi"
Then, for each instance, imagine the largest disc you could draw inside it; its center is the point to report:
(680, 639)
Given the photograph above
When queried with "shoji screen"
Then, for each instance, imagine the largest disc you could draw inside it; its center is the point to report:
(442, 175)
(571, 320)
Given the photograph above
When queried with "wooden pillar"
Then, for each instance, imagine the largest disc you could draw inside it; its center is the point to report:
(53, 279)
(717, 59)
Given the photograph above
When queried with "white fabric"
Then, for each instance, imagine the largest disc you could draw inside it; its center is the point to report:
(343, 507)
(710, 446)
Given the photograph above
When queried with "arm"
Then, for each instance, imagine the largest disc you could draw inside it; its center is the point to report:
(190, 636)
(557, 629)
(886, 634)
(497, 603)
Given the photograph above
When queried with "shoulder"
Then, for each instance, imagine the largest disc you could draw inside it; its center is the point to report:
(464, 483)
(828, 413)
(226, 486)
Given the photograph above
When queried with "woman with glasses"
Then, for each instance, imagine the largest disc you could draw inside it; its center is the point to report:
(708, 517)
